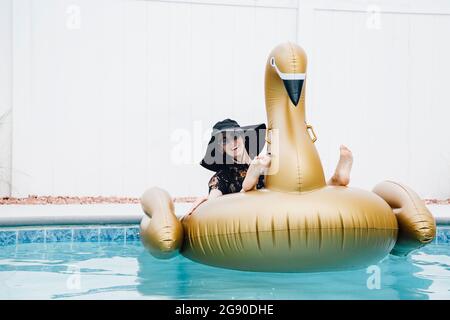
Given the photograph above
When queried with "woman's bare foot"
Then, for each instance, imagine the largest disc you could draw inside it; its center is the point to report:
(341, 175)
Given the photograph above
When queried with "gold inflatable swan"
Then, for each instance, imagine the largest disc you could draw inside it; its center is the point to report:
(297, 223)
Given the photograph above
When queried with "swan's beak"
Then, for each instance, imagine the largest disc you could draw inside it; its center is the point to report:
(294, 89)
(293, 82)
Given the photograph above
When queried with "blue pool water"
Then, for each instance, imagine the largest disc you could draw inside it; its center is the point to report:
(97, 263)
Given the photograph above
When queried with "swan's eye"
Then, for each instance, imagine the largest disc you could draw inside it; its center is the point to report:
(272, 62)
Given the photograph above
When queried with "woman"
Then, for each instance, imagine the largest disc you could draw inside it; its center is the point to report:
(238, 170)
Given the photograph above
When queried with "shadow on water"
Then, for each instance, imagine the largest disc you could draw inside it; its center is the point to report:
(180, 278)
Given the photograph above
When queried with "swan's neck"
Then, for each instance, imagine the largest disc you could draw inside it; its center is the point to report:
(296, 165)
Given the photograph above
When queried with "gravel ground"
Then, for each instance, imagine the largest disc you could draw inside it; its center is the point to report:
(436, 201)
(34, 199)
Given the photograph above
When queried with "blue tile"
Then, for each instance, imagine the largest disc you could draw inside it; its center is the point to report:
(447, 234)
(133, 234)
(112, 234)
(443, 236)
(85, 235)
(7, 238)
(31, 236)
(59, 235)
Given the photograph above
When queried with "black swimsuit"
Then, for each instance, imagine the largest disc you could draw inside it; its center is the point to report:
(230, 179)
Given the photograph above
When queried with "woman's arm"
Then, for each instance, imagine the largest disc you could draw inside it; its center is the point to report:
(213, 194)
(251, 178)
(258, 166)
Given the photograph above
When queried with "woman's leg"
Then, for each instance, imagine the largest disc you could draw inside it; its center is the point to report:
(341, 175)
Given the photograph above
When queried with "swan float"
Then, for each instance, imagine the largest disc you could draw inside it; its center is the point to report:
(296, 223)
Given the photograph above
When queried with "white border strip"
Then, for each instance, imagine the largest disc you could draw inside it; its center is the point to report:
(287, 76)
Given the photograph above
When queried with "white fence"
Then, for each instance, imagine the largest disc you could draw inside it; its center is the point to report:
(379, 82)
(106, 93)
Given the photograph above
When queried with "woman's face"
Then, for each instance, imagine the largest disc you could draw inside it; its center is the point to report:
(233, 145)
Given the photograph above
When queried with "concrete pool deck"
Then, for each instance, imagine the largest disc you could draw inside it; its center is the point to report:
(70, 214)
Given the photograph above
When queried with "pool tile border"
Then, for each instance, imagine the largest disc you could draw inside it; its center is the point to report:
(116, 234)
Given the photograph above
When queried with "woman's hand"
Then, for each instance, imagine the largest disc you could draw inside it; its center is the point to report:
(197, 202)
(260, 164)
(214, 193)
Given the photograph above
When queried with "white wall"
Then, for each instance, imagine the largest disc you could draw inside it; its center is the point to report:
(5, 96)
(378, 82)
(104, 91)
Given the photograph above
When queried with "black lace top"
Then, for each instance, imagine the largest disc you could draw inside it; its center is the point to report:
(230, 179)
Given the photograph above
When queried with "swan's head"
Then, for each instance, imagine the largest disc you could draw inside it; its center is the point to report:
(287, 62)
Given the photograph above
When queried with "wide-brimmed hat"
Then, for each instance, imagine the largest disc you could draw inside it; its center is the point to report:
(254, 137)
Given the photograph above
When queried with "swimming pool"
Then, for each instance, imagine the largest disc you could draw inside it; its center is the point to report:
(92, 262)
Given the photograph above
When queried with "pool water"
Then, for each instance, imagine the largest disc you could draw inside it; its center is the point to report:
(111, 270)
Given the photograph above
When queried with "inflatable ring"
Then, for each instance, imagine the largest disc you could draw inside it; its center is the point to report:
(296, 223)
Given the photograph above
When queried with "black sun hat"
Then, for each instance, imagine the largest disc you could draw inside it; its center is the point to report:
(254, 137)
